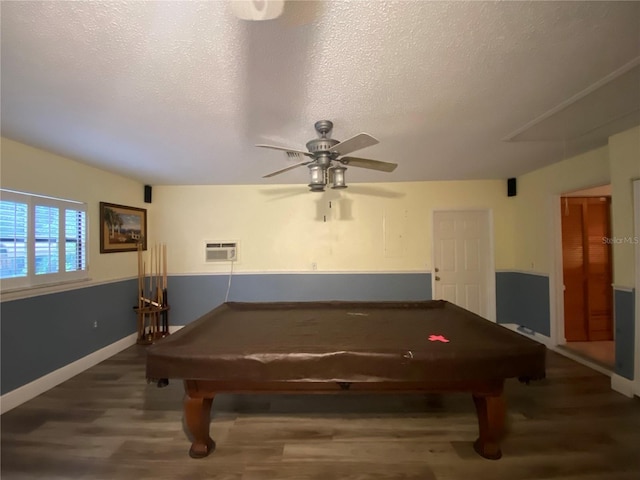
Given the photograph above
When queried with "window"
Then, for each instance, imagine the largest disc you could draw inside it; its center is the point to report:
(13, 239)
(43, 240)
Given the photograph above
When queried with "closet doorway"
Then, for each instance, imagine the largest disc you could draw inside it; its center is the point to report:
(587, 274)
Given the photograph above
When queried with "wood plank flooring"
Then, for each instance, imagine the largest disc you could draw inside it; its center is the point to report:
(108, 423)
(603, 353)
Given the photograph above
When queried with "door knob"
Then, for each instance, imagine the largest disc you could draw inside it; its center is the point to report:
(437, 269)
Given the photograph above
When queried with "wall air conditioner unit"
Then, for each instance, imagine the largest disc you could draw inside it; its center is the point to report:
(221, 252)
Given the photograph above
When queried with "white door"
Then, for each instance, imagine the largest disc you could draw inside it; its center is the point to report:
(463, 271)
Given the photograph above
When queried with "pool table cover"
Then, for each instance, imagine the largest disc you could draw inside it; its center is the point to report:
(344, 342)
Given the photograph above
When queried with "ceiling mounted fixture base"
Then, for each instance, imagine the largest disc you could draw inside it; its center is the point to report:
(257, 10)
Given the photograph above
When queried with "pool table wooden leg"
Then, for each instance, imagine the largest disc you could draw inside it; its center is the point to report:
(491, 422)
(197, 414)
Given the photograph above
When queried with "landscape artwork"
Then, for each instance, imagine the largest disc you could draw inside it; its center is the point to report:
(122, 228)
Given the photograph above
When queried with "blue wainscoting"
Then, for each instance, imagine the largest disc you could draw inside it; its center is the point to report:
(624, 314)
(42, 334)
(523, 299)
(191, 296)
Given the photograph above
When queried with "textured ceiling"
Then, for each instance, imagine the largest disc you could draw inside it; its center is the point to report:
(179, 92)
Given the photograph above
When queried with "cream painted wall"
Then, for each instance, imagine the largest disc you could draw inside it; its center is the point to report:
(31, 170)
(369, 227)
(624, 153)
(538, 193)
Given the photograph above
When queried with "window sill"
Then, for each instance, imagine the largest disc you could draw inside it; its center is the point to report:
(18, 293)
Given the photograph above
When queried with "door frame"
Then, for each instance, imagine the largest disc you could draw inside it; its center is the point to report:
(490, 294)
(556, 282)
(636, 216)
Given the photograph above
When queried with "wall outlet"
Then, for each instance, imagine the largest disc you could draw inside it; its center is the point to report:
(314, 266)
(95, 324)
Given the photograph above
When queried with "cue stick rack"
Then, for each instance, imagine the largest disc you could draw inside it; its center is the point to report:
(153, 306)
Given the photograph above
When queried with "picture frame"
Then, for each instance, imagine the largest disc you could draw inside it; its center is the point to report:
(122, 228)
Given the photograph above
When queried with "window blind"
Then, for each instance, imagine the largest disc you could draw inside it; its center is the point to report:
(13, 239)
(43, 240)
(75, 257)
(47, 226)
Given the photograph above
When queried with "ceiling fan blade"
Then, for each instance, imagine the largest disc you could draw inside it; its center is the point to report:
(273, 174)
(352, 144)
(368, 163)
(285, 149)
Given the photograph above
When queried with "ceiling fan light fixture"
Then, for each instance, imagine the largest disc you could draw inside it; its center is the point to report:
(318, 178)
(337, 177)
(257, 9)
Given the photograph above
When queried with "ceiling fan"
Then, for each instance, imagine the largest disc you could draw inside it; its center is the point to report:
(327, 164)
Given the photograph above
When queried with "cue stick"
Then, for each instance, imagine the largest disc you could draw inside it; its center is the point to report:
(158, 260)
(159, 273)
(156, 316)
(165, 315)
(139, 313)
(152, 278)
(158, 280)
(144, 274)
(164, 268)
(141, 275)
(149, 283)
(158, 293)
(154, 293)
(139, 254)
(151, 273)
(144, 285)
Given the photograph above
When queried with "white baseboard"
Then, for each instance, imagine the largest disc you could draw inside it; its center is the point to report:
(31, 390)
(622, 385)
(22, 394)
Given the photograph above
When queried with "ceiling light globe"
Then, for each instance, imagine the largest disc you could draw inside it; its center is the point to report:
(318, 178)
(338, 177)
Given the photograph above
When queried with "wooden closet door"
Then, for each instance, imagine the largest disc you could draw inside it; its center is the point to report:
(599, 272)
(574, 270)
(586, 266)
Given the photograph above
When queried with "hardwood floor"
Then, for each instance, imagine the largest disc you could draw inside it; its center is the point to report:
(603, 353)
(108, 423)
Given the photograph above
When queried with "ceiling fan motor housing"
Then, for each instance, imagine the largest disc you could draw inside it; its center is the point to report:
(319, 145)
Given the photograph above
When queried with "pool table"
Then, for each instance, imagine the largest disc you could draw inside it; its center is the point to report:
(346, 347)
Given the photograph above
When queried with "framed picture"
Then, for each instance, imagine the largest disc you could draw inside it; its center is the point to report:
(122, 228)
